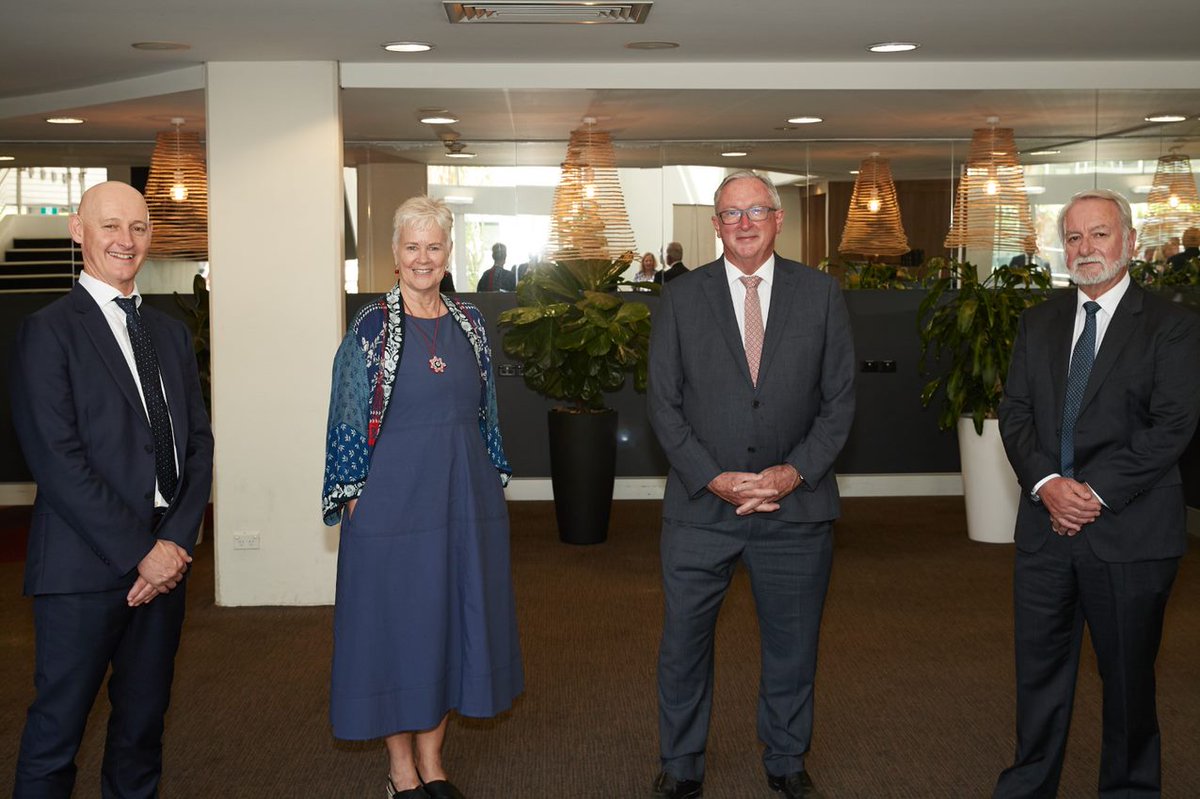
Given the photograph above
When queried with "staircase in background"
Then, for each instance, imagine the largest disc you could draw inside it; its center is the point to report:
(40, 264)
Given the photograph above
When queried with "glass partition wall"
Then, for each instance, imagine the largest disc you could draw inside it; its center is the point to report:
(504, 191)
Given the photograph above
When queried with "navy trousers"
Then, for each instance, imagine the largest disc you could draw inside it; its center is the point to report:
(78, 636)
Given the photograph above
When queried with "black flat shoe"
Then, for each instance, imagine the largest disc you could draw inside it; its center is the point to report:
(666, 786)
(797, 785)
(442, 789)
(411, 793)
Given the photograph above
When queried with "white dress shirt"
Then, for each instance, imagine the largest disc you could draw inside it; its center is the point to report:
(737, 290)
(104, 295)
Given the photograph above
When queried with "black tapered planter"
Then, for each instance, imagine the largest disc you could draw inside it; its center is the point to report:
(583, 465)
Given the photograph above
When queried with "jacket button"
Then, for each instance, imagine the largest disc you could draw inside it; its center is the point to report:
(755, 404)
(751, 449)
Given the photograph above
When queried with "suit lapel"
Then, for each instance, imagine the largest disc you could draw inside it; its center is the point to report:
(96, 325)
(784, 297)
(1060, 334)
(716, 289)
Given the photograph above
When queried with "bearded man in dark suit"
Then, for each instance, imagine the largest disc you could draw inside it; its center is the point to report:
(1101, 400)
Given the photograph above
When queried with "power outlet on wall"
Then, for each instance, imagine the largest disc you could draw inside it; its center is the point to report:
(246, 540)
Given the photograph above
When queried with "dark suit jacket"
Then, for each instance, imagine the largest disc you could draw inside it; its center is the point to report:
(1180, 259)
(708, 416)
(496, 278)
(1138, 415)
(675, 270)
(85, 435)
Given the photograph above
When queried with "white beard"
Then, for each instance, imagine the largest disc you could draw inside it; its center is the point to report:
(1109, 270)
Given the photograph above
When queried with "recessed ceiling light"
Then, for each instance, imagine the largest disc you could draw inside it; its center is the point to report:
(853, 171)
(651, 45)
(442, 118)
(407, 47)
(64, 120)
(1043, 152)
(1035, 189)
(804, 120)
(1166, 118)
(458, 199)
(893, 47)
(460, 155)
(734, 154)
(160, 46)
(1143, 189)
(8, 158)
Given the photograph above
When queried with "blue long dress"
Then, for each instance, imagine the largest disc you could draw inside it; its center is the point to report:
(425, 620)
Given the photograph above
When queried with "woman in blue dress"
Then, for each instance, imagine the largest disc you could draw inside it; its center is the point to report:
(424, 621)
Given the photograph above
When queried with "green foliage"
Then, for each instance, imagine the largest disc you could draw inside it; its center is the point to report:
(1157, 274)
(196, 308)
(968, 326)
(576, 337)
(875, 275)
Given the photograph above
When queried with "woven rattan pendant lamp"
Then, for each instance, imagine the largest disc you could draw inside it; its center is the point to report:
(991, 207)
(873, 225)
(177, 196)
(1173, 203)
(588, 219)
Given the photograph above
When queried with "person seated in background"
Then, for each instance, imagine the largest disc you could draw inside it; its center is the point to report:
(496, 277)
(674, 260)
(648, 273)
(1191, 249)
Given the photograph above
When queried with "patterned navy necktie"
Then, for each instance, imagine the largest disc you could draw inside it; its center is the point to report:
(146, 359)
(1077, 378)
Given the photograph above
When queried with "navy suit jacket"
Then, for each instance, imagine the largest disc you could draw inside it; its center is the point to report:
(85, 435)
(1138, 416)
(710, 418)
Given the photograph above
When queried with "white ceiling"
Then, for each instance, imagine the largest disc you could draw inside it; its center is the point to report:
(760, 49)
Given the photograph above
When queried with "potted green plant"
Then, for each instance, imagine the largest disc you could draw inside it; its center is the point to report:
(578, 339)
(967, 327)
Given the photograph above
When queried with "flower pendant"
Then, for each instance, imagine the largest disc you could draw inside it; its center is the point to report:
(437, 365)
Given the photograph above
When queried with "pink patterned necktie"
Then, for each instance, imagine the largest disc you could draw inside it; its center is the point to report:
(754, 326)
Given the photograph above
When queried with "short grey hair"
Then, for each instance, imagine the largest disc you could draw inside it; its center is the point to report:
(744, 174)
(421, 213)
(1098, 194)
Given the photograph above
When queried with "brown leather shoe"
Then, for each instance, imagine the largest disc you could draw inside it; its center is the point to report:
(797, 785)
(667, 786)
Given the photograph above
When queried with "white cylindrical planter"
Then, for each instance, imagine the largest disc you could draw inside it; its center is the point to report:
(990, 487)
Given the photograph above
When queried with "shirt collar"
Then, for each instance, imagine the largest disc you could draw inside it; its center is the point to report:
(766, 271)
(102, 292)
(1109, 300)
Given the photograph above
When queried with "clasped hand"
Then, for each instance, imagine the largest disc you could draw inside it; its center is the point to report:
(1071, 504)
(160, 571)
(756, 492)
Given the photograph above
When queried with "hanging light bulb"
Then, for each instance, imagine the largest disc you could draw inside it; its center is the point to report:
(179, 189)
(873, 205)
(992, 187)
(1173, 201)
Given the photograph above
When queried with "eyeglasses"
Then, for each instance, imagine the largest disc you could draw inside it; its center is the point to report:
(731, 216)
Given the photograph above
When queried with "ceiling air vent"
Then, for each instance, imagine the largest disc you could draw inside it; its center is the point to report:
(575, 12)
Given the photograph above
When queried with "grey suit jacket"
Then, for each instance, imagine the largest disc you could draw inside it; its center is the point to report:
(1138, 415)
(708, 416)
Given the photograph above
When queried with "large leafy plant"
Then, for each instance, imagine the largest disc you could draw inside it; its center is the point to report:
(968, 327)
(576, 337)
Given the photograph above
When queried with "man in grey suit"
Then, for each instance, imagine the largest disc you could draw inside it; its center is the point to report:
(751, 396)
(1101, 401)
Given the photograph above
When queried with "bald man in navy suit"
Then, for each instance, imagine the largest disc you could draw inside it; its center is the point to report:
(109, 412)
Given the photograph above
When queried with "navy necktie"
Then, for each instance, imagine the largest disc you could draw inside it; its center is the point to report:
(156, 407)
(1077, 378)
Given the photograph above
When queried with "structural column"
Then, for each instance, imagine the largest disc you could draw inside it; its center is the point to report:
(276, 247)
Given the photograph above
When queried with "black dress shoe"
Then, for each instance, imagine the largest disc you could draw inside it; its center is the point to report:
(442, 789)
(668, 787)
(797, 785)
(411, 793)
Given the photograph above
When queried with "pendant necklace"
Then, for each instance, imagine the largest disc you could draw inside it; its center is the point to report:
(436, 364)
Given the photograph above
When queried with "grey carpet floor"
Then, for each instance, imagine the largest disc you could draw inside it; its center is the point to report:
(914, 691)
